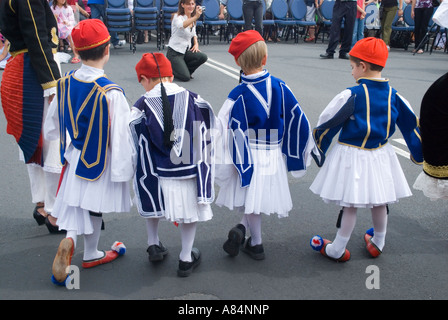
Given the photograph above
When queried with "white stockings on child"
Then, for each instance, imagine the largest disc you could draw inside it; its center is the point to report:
(152, 228)
(379, 219)
(90, 240)
(187, 233)
(337, 248)
(252, 222)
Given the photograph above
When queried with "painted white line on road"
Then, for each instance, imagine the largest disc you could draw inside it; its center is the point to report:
(237, 71)
(223, 68)
(236, 77)
(402, 152)
(400, 141)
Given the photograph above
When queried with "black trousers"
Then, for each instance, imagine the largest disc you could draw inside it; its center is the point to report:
(422, 18)
(342, 10)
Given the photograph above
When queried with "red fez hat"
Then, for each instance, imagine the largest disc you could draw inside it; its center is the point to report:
(89, 33)
(242, 41)
(151, 63)
(371, 50)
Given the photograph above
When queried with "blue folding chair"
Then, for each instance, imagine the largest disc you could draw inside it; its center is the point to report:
(146, 18)
(326, 10)
(118, 16)
(168, 8)
(235, 19)
(298, 11)
(211, 20)
(282, 18)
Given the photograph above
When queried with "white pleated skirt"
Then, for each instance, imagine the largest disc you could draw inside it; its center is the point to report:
(76, 196)
(353, 177)
(268, 191)
(432, 188)
(181, 201)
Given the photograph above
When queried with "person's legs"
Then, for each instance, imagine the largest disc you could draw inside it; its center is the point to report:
(156, 251)
(188, 233)
(258, 16)
(386, 23)
(379, 220)
(254, 223)
(91, 251)
(335, 28)
(152, 228)
(349, 13)
(248, 14)
(348, 221)
(180, 69)
(194, 60)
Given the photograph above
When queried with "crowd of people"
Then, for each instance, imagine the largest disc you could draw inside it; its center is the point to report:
(82, 150)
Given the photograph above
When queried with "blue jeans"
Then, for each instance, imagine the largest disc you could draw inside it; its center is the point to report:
(253, 10)
(358, 30)
(98, 11)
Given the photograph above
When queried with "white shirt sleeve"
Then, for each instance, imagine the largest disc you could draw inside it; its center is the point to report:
(51, 121)
(334, 106)
(121, 147)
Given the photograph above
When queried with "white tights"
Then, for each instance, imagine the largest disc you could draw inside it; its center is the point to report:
(379, 219)
(252, 222)
(187, 233)
(90, 240)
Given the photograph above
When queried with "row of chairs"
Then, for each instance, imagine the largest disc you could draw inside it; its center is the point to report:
(287, 14)
(148, 15)
(156, 15)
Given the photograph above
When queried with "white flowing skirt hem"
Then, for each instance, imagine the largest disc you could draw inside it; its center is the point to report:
(353, 177)
(268, 191)
(181, 201)
(77, 196)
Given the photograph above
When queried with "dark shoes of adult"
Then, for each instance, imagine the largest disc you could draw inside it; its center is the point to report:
(326, 55)
(344, 56)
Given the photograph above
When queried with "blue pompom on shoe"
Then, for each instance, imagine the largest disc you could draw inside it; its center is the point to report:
(370, 232)
(119, 247)
(317, 243)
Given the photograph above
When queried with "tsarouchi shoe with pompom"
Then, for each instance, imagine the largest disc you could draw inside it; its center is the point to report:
(319, 244)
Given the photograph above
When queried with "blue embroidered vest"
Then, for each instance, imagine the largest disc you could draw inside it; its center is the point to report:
(84, 114)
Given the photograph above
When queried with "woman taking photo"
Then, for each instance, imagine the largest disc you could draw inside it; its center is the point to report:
(183, 49)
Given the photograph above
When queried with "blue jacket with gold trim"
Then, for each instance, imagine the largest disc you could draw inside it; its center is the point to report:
(367, 119)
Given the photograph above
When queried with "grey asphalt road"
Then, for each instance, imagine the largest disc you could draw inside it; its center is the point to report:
(412, 266)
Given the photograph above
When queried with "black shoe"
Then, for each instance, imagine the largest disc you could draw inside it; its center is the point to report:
(40, 219)
(344, 56)
(326, 55)
(235, 240)
(51, 228)
(186, 268)
(156, 252)
(255, 252)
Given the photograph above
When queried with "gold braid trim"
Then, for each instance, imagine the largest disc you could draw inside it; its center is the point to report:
(435, 171)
